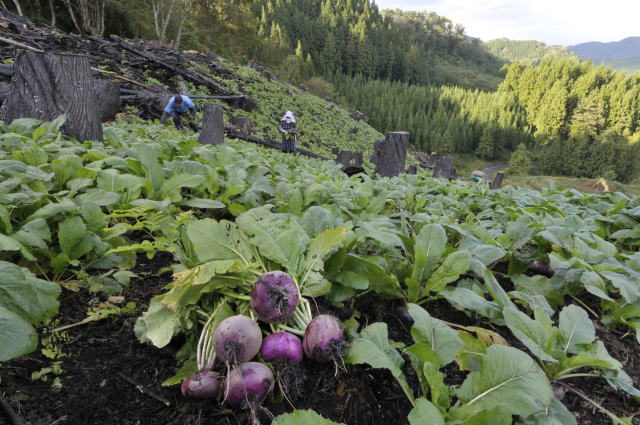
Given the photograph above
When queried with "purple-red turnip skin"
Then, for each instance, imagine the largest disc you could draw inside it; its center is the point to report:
(282, 345)
(203, 385)
(237, 339)
(321, 335)
(274, 297)
(251, 382)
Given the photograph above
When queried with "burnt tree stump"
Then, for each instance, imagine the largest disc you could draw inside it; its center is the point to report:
(391, 154)
(47, 85)
(444, 168)
(243, 125)
(497, 181)
(108, 99)
(351, 162)
(212, 132)
(412, 169)
(431, 160)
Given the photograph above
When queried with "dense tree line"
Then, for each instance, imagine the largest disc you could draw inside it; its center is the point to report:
(442, 119)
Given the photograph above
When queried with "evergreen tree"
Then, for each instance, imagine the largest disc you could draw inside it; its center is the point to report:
(520, 162)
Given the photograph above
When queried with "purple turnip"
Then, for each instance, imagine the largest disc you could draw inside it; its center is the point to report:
(324, 339)
(237, 339)
(203, 385)
(282, 346)
(274, 297)
(248, 384)
(404, 315)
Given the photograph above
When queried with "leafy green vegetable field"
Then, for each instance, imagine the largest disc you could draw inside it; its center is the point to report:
(460, 305)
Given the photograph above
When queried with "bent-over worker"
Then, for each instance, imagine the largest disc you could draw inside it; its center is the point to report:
(179, 105)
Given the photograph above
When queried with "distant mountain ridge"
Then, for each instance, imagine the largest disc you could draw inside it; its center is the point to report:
(623, 55)
(598, 51)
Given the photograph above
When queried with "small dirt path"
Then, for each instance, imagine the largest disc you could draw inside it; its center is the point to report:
(491, 170)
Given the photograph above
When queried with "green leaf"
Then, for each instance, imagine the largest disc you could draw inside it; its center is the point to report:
(557, 414)
(532, 333)
(509, 379)
(470, 356)
(497, 292)
(302, 417)
(34, 299)
(430, 244)
(157, 325)
(469, 300)
(150, 162)
(212, 240)
(425, 413)
(74, 239)
(575, 328)
(380, 280)
(211, 204)
(438, 336)
(54, 209)
(629, 289)
(372, 347)
(495, 416)
(172, 187)
(93, 216)
(17, 336)
(449, 271)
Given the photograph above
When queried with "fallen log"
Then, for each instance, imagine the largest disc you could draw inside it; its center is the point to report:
(46, 85)
(232, 133)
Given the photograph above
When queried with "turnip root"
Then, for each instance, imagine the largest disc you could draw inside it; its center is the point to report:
(237, 339)
(282, 346)
(274, 297)
(248, 384)
(203, 385)
(324, 339)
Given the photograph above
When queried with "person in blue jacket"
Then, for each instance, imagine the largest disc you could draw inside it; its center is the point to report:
(179, 105)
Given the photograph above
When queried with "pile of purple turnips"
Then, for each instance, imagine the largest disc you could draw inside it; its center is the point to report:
(275, 300)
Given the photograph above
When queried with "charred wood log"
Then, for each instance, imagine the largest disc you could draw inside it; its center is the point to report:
(232, 133)
(46, 85)
(212, 132)
(392, 154)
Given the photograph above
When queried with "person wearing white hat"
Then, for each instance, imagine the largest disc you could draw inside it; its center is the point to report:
(289, 129)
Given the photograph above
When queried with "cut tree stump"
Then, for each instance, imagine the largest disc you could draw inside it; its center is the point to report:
(212, 132)
(412, 169)
(243, 125)
(47, 85)
(444, 168)
(108, 99)
(351, 162)
(497, 182)
(391, 154)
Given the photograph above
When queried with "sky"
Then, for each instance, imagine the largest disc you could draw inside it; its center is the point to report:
(564, 22)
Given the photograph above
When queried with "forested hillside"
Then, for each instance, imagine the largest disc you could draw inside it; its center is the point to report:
(524, 50)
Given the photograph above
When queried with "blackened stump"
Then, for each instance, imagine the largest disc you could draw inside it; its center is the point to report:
(212, 132)
(392, 154)
(46, 85)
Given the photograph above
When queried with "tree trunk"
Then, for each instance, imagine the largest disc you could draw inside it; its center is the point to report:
(497, 181)
(46, 85)
(212, 132)
(108, 99)
(18, 8)
(53, 14)
(444, 168)
(392, 154)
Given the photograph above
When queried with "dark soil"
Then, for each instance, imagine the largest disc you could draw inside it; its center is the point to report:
(99, 354)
